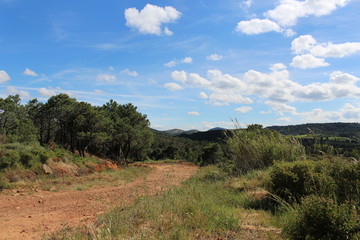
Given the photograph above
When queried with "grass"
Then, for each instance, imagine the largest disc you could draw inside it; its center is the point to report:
(204, 207)
(111, 178)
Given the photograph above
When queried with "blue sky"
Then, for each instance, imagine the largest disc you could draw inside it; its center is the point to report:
(189, 64)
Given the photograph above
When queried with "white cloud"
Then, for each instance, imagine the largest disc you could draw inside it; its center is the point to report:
(348, 113)
(130, 73)
(222, 99)
(244, 109)
(196, 80)
(150, 19)
(289, 32)
(191, 80)
(303, 44)
(179, 76)
(257, 26)
(111, 68)
(280, 107)
(46, 92)
(308, 44)
(29, 72)
(214, 57)
(170, 64)
(10, 90)
(308, 61)
(193, 113)
(187, 60)
(203, 95)
(278, 67)
(338, 77)
(275, 87)
(4, 77)
(246, 4)
(173, 86)
(173, 63)
(168, 32)
(288, 12)
(106, 78)
(284, 119)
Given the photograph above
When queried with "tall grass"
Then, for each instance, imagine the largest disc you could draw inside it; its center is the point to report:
(256, 148)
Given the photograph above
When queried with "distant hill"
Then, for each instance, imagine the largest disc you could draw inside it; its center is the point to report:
(177, 132)
(211, 135)
(349, 130)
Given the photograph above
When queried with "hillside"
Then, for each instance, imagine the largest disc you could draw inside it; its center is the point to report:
(349, 130)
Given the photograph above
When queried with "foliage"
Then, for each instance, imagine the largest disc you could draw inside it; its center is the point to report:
(256, 148)
(113, 130)
(335, 179)
(318, 218)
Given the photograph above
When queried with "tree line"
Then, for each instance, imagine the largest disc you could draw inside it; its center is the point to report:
(113, 130)
(116, 131)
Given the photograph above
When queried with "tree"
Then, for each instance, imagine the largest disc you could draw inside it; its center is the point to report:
(127, 128)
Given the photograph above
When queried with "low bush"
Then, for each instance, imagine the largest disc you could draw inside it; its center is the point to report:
(335, 179)
(318, 218)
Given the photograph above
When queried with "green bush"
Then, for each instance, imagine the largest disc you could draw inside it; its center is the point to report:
(3, 183)
(322, 219)
(256, 148)
(336, 179)
(10, 158)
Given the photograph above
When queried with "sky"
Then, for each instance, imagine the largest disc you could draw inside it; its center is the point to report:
(189, 64)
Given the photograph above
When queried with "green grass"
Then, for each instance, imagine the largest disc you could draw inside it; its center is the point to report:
(205, 207)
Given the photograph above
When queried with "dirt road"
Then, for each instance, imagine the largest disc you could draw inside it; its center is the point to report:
(30, 216)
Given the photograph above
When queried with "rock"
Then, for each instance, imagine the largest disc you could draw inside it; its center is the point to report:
(47, 169)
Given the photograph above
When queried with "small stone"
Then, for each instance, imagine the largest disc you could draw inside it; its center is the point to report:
(47, 169)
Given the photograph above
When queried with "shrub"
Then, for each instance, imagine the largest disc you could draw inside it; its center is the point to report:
(292, 181)
(3, 183)
(319, 218)
(255, 148)
(28, 159)
(335, 179)
(10, 158)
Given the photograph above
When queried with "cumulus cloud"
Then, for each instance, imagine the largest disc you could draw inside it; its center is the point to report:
(348, 113)
(187, 60)
(191, 80)
(257, 26)
(214, 57)
(287, 13)
(130, 73)
(223, 98)
(46, 92)
(10, 90)
(29, 72)
(150, 19)
(193, 113)
(173, 86)
(275, 87)
(106, 78)
(308, 44)
(308, 61)
(4, 77)
(244, 109)
(281, 107)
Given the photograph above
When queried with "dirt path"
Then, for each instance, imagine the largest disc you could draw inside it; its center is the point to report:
(30, 216)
